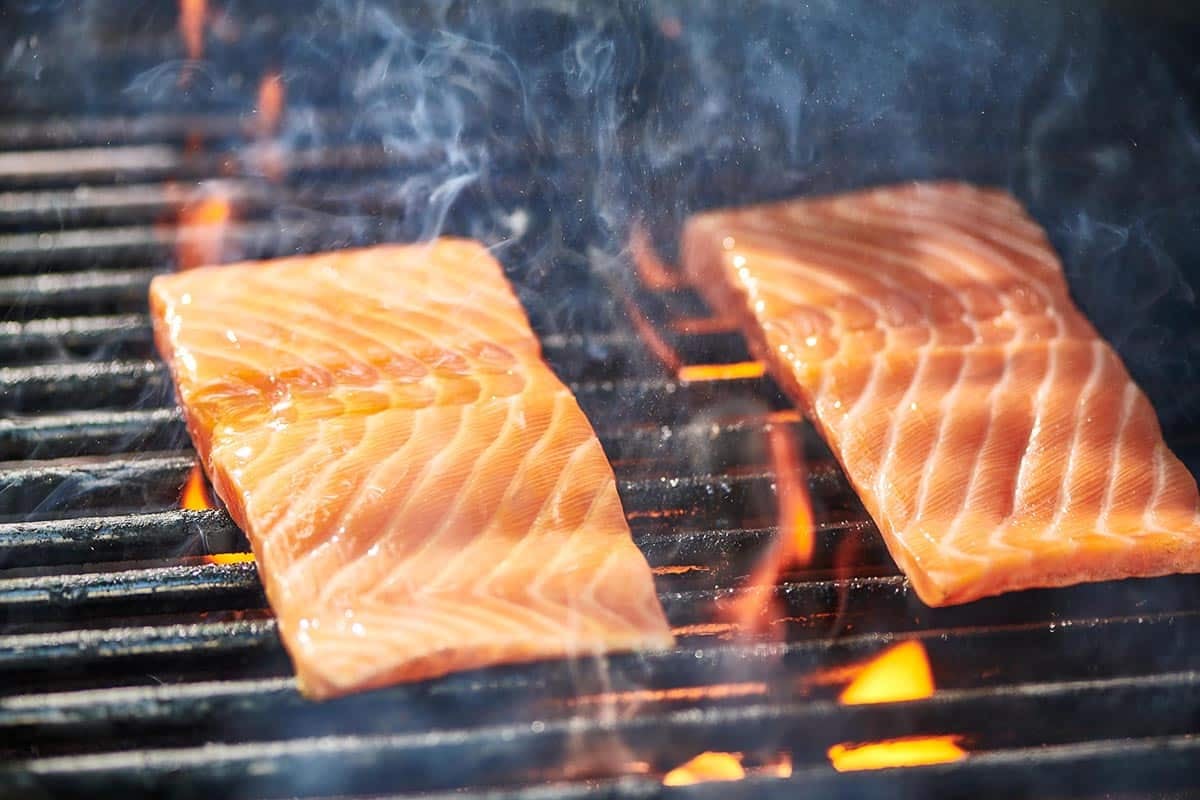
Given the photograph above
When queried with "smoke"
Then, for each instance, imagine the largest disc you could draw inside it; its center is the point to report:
(1086, 114)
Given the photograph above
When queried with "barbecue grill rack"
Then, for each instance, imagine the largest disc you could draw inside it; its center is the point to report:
(130, 664)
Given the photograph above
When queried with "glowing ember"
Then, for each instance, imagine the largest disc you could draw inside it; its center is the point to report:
(193, 14)
(909, 752)
(794, 541)
(195, 495)
(653, 273)
(230, 558)
(900, 673)
(193, 142)
(722, 372)
(200, 238)
(680, 693)
(678, 570)
(705, 629)
(695, 326)
(708, 766)
(671, 27)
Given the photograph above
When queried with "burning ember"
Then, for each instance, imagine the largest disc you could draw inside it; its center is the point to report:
(193, 14)
(900, 673)
(708, 766)
(200, 237)
(794, 541)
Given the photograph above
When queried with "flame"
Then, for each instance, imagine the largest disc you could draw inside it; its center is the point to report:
(717, 766)
(200, 238)
(268, 154)
(193, 14)
(645, 329)
(795, 540)
(230, 558)
(708, 766)
(652, 271)
(722, 372)
(269, 108)
(782, 766)
(900, 673)
(195, 495)
(910, 752)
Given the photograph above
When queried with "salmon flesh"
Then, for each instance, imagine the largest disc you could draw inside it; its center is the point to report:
(996, 439)
(421, 491)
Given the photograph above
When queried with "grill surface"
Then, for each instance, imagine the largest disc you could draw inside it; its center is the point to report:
(131, 663)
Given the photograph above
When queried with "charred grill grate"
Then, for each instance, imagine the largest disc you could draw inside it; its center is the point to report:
(131, 662)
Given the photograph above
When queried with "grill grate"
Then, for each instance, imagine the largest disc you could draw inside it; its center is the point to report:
(130, 662)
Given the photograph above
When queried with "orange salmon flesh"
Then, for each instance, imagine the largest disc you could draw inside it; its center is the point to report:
(421, 491)
(927, 330)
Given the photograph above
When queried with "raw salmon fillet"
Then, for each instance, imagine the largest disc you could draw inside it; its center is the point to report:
(927, 330)
(421, 492)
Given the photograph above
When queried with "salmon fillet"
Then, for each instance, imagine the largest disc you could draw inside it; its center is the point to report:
(421, 492)
(927, 329)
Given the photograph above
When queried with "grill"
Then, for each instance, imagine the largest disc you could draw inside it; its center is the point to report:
(131, 662)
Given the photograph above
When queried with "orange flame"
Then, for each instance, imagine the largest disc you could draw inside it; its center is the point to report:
(794, 541)
(195, 495)
(200, 238)
(652, 271)
(193, 14)
(739, 370)
(718, 766)
(781, 767)
(268, 154)
(230, 558)
(899, 673)
(270, 103)
(708, 766)
(195, 498)
(646, 330)
(910, 752)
